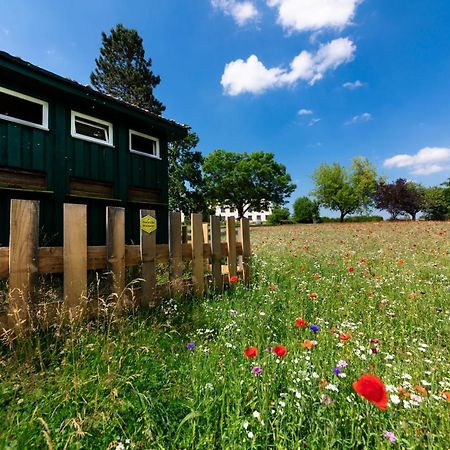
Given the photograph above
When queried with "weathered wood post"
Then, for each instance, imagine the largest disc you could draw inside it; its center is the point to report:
(115, 252)
(175, 253)
(23, 261)
(75, 259)
(246, 250)
(148, 225)
(216, 253)
(231, 242)
(197, 254)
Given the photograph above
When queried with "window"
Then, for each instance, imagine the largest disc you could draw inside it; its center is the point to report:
(250, 218)
(222, 210)
(258, 217)
(91, 129)
(143, 144)
(23, 109)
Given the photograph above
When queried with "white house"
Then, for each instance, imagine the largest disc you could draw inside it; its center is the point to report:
(256, 217)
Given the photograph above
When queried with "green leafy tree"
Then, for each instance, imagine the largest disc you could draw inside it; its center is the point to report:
(186, 186)
(123, 71)
(343, 191)
(278, 216)
(246, 180)
(434, 204)
(306, 210)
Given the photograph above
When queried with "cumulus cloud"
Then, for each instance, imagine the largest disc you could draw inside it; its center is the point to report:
(304, 112)
(252, 76)
(364, 117)
(353, 84)
(310, 15)
(426, 161)
(241, 11)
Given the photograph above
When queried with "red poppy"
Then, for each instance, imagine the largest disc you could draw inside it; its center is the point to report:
(300, 323)
(317, 276)
(373, 389)
(307, 344)
(351, 269)
(312, 295)
(234, 279)
(251, 352)
(280, 350)
(345, 336)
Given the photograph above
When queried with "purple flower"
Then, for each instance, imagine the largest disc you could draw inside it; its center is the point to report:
(374, 350)
(256, 370)
(314, 328)
(269, 349)
(342, 363)
(337, 371)
(391, 436)
(190, 345)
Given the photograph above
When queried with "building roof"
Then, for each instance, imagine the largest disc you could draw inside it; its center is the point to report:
(173, 129)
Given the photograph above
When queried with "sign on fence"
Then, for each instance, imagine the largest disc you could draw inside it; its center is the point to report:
(23, 260)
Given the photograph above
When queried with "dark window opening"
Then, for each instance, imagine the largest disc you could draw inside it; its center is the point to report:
(91, 129)
(19, 108)
(143, 144)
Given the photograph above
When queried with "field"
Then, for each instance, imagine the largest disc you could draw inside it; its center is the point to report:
(373, 299)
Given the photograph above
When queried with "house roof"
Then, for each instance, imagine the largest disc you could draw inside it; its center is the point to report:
(173, 129)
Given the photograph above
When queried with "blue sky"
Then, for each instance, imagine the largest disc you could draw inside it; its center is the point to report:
(313, 81)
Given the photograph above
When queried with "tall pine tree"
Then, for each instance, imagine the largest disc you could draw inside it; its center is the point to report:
(123, 72)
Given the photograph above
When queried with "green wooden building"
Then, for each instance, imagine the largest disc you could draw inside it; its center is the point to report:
(62, 142)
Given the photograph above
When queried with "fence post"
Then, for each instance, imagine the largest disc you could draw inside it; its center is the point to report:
(175, 253)
(231, 241)
(216, 253)
(148, 226)
(23, 260)
(75, 259)
(115, 251)
(197, 254)
(206, 241)
(246, 250)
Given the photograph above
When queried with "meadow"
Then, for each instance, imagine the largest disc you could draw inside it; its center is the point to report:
(272, 365)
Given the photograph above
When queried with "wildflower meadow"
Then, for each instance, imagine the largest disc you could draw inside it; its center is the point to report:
(341, 341)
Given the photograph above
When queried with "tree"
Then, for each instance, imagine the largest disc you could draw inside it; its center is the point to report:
(434, 204)
(345, 192)
(399, 197)
(246, 180)
(306, 210)
(186, 186)
(123, 72)
(278, 216)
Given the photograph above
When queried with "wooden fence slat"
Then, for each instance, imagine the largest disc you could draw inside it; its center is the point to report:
(148, 259)
(206, 247)
(4, 262)
(197, 254)
(175, 252)
(23, 266)
(244, 233)
(115, 251)
(75, 259)
(231, 241)
(216, 253)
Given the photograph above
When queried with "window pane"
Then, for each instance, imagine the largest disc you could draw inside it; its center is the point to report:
(143, 144)
(91, 129)
(20, 108)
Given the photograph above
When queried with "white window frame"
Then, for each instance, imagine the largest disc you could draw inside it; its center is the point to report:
(74, 134)
(44, 105)
(137, 152)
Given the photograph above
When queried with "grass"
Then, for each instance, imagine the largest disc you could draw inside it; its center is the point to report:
(132, 382)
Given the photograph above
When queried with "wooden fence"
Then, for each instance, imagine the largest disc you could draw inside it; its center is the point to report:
(23, 260)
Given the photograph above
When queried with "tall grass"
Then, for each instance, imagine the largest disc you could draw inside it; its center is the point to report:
(133, 382)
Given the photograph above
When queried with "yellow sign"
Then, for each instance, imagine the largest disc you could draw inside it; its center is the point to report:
(148, 224)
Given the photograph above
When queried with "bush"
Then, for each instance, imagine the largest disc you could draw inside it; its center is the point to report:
(306, 210)
(279, 215)
(352, 219)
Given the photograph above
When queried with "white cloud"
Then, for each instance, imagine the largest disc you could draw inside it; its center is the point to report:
(304, 112)
(353, 84)
(364, 117)
(313, 122)
(241, 11)
(304, 15)
(426, 161)
(252, 76)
